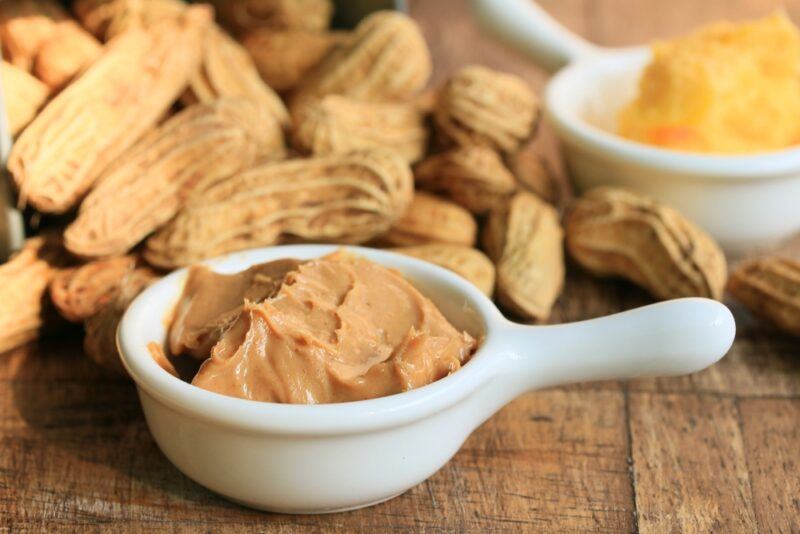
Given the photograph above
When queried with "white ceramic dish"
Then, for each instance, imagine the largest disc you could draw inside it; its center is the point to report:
(325, 458)
(746, 202)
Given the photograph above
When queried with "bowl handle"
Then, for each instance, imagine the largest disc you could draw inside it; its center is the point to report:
(528, 27)
(669, 338)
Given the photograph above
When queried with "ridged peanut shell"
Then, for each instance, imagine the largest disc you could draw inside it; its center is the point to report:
(467, 262)
(153, 179)
(534, 175)
(480, 106)
(23, 285)
(100, 343)
(242, 15)
(106, 19)
(385, 59)
(65, 54)
(284, 57)
(430, 219)
(340, 199)
(473, 176)
(226, 70)
(425, 101)
(525, 240)
(25, 25)
(619, 233)
(337, 124)
(106, 110)
(23, 96)
(80, 292)
(770, 288)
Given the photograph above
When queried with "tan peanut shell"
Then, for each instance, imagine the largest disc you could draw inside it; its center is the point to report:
(480, 106)
(80, 292)
(341, 199)
(242, 15)
(226, 70)
(425, 101)
(284, 57)
(100, 343)
(467, 262)
(25, 25)
(473, 176)
(152, 180)
(770, 288)
(430, 219)
(23, 284)
(525, 239)
(620, 233)
(535, 176)
(385, 59)
(106, 19)
(96, 118)
(65, 54)
(23, 96)
(337, 124)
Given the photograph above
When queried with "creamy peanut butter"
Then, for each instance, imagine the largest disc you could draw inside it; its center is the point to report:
(338, 328)
(211, 302)
(157, 353)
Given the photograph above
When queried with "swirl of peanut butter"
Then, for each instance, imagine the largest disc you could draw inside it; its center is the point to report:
(339, 328)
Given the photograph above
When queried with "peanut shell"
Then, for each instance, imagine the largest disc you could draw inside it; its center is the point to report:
(226, 70)
(386, 59)
(425, 101)
(23, 96)
(467, 262)
(480, 106)
(337, 124)
(770, 288)
(95, 119)
(525, 239)
(284, 57)
(25, 25)
(535, 176)
(243, 15)
(65, 54)
(23, 284)
(106, 19)
(473, 176)
(152, 180)
(430, 219)
(620, 233)
(100, 343)
(340, 199)
(80, 292)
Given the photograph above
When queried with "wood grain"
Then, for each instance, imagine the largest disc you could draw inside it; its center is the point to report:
(771, 431)
(716, 451)
(689, 465)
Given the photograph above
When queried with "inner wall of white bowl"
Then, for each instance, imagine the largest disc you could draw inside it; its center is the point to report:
(596, 89)
(454, 305)
(612, 94)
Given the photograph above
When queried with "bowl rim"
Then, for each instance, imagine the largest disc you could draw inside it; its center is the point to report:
(561, 113)
(299, 419)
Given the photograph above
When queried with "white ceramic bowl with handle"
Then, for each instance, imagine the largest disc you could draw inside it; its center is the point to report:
(333, 457)
(747, 202)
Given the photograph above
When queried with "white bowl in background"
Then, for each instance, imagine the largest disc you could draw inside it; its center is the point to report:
(747, 202)
(333, 457)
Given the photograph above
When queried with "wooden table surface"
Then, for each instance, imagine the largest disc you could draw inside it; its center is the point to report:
(715, 452)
